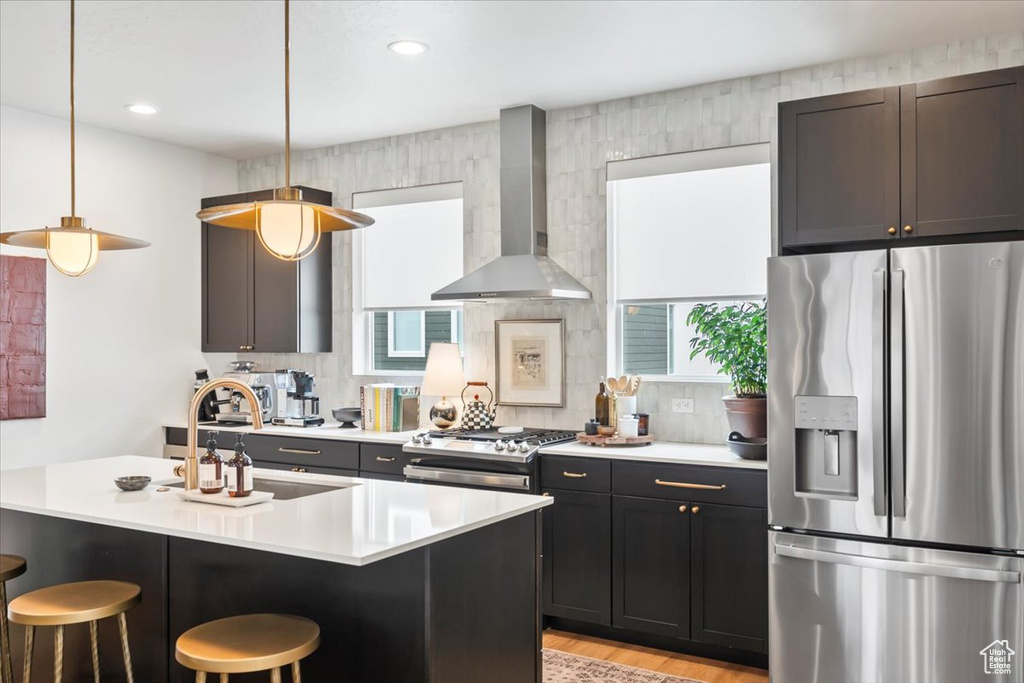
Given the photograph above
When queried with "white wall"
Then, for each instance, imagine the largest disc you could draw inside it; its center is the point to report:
(134, 320)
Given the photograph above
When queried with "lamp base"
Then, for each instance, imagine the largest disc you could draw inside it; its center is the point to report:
(443, 413)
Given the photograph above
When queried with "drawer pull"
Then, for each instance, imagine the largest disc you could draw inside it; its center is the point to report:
(688, 485)
(575, 475)
(381, 458)
(298, 469)
(298, 451)
(682, 508)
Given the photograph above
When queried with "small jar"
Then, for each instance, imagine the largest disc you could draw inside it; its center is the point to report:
(643, 426)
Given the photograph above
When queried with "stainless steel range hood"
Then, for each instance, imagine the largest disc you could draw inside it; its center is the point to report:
(524, 270)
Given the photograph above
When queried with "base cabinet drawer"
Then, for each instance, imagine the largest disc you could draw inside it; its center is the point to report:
(266, 464)
(721, 485)
(577, 548)
(303, 452)
(382, 459)
(567, 473)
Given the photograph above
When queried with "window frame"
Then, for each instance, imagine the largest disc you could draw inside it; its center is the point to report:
(421, 352)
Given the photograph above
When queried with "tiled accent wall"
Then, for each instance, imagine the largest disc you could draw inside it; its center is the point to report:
(22, 337)
(580, 142)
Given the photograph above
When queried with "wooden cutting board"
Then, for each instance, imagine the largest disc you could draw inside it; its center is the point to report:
(615, 440)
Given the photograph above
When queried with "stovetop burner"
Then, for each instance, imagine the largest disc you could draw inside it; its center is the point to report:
(538, 436)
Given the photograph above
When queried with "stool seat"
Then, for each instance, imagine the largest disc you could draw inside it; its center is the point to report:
(74, 603)
(246, 643)
(11, 566)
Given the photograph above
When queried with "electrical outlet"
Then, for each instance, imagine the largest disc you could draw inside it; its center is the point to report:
(682, 405)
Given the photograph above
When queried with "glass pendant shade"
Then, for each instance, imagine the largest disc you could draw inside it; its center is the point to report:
(288, 230)
(72, 253)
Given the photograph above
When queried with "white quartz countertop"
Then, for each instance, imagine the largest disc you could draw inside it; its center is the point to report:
(356, 526)
(660, 451)
(327, 431)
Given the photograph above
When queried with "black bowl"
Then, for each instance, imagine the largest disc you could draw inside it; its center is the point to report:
(136, 483)
(347, 416)
(748, 449)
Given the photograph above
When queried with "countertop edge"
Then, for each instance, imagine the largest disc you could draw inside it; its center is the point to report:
(705, 455)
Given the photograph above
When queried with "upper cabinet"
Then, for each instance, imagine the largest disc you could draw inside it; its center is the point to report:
(931, 159)
(252, 301)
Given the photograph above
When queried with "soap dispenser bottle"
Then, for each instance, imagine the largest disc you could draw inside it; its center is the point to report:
(239, 469)
(211, 468)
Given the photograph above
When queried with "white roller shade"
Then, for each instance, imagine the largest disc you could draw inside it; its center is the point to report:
(413, 249)
(691, 226)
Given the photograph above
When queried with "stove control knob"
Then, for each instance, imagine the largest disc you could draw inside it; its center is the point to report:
(417, 438)
(499, 445)
(524, 447)
(513, 445)
(427, 440)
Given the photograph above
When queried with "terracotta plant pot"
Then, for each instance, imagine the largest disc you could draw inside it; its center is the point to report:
(748, 416)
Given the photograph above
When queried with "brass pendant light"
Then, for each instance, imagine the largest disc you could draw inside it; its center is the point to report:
(286, 226)
(73, 249)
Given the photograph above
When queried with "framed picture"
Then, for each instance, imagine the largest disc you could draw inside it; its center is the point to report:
(530, 362)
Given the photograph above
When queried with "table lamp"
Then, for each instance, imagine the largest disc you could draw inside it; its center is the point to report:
(443, 377)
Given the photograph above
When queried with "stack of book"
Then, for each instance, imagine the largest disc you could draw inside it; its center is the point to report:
(389, 408)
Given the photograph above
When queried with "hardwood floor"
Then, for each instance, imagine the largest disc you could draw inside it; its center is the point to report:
(706, 670)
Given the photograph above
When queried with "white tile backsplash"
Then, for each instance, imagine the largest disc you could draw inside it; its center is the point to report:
(580, 141)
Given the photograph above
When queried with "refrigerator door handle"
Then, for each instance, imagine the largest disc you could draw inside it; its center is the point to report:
(903, 566)
(897, 412)
(878, 390)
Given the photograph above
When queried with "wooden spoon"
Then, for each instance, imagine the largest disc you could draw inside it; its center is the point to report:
(623, 384)
(612, 384)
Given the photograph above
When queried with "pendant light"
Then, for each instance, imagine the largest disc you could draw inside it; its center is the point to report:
(73, 249)
(287, 227)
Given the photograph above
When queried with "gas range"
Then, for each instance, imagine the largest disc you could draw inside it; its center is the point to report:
(504, 444)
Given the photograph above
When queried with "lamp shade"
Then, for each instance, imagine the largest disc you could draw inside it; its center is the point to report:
(444, 375)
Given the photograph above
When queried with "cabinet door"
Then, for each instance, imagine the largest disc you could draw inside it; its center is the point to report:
(962, 154)
(729, 580)
(276, 298)
(839, 168)
(227, 287)
(651, 566)
(577, 556)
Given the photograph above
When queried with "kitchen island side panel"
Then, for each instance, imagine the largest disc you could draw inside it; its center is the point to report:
(62, 550)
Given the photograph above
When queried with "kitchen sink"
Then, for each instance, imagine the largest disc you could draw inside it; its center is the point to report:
(283, 490)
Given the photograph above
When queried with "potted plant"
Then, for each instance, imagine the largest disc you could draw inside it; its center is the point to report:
(735, 338)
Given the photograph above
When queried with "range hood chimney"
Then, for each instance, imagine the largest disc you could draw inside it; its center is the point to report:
(524, 270)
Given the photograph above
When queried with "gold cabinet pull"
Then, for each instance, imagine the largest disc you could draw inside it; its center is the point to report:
(381, 458)
(682, 508)
(696, 509)
(908, 228)
(298, 469)
(688, 485)
(575, 475)
(892, 230)
(298, 451)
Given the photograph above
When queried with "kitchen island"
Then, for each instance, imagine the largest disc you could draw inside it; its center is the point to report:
(408, 582)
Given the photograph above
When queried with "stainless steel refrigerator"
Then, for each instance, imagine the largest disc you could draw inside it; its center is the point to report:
(896, 465)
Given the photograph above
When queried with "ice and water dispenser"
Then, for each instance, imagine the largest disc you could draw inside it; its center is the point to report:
(826, 446)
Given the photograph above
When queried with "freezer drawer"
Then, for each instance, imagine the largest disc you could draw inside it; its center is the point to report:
(856, 611)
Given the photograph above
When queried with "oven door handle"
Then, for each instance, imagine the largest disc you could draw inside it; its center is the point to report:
(519, 482)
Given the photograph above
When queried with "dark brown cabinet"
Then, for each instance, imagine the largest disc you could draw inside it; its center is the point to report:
(651, 566)
(252, 301)
(934, 159)
(729, 576)
(577, 540)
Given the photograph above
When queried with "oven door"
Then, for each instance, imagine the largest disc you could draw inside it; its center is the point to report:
(468, 478)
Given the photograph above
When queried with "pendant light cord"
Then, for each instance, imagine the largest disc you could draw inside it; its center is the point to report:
(287, 101)
(72, 108)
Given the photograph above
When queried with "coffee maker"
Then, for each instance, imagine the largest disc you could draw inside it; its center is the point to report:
(301, 404)
(234, 408)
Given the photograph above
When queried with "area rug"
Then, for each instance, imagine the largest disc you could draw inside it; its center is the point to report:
(561, 667)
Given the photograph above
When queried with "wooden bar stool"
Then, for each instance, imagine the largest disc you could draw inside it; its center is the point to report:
(248, 643)
(75, 603)
(11, 566)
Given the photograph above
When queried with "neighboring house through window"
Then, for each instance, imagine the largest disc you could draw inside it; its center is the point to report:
(413, 249)
(682, 229)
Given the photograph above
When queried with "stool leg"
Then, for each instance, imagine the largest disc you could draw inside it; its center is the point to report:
(275, 675)
(296, 673)
(122, 623)
(200, 677)
(58, 653)
(223, 678)
(7, 674)
(93, 642)
(30, 641)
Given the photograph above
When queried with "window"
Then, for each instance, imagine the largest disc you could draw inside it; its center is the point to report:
(682, 229)
(413, 249)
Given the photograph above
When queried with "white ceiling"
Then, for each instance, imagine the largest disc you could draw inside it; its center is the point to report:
(214, 67)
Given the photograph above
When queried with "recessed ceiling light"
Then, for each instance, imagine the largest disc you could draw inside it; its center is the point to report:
(408, 47)
(140, 108)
